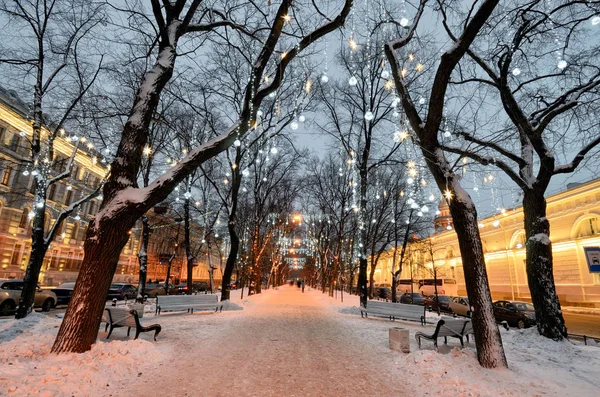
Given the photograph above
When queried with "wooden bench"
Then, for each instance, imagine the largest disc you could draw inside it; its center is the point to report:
(454, 328)
(188, 303)
(116, 317)
(393, 311)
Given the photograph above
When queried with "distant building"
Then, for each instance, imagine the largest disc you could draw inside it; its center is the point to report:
(574, 216)
(65, 255)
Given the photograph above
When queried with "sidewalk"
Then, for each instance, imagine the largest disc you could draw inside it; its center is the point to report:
(284, 342)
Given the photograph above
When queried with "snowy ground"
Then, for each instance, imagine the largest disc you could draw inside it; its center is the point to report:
(284, 342)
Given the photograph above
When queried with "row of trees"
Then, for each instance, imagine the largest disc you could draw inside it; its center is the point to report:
(229, 95)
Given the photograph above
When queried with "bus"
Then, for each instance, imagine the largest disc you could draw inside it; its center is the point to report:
(404, 285)
(445, 286)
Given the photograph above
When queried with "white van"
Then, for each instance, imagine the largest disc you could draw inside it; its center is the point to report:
(445, 286)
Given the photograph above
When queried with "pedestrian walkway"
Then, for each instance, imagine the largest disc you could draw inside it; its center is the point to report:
(284, 343)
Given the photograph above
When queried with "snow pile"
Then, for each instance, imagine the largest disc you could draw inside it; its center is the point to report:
(28, 368)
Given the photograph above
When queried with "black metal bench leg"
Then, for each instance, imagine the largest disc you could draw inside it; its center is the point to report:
(445, 340)
(128, 331)
(110, 332)
(462, 343)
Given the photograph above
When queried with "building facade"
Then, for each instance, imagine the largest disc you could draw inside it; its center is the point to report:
(65, 254)
(574, 216)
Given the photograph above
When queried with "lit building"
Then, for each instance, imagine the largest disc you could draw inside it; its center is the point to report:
(574, 216)
(65, 254)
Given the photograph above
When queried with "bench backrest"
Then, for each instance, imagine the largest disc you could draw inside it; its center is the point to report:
(452, 327)
(121, 316)
(396, 307)
(186, 299)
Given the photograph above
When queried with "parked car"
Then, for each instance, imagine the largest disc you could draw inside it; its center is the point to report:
(201, 286)
(63, 293)
(152, 290)
(442, 301)
(515, 313)
(234, 285)
(10, 292)
(383, 293)
(122, 291)
(412, 297)
(460, 305)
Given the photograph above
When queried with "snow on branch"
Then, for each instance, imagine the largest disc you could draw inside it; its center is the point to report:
(159, 189)
(565, 169)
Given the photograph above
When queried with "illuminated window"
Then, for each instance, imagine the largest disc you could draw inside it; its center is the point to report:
(588, 227)
(75, 231)
(24, 218)
(6, 175)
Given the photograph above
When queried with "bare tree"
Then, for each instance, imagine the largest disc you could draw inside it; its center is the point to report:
(358, 116)
(123, 202)
(60, 71)
(426, 127)
(548, 90)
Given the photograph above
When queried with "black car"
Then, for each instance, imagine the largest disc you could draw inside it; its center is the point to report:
(515, 313)
(122, 291)
(442, 301)
(412, 297)
(383, 293)
(200, 286)
(64, 292)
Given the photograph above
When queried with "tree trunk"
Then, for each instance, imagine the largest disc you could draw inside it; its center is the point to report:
(169, 263)
(539, 263)
(188, 249)
(38, 251)
(143, 259)
(231, 258)
(102, 248)
(488, 342)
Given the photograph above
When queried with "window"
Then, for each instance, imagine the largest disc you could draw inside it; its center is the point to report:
(14, 260)
(14, 142)
(6, 175)
(52, 192)
(588, 227)
(2, 130)
(24, 218)
(75, 231)
(92, 208)
(69, 197)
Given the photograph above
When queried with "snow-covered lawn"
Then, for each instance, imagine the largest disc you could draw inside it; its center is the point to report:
(284, 342)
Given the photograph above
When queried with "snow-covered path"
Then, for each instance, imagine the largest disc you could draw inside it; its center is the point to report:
(284, 342)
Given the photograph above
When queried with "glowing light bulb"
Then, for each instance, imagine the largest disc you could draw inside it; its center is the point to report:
(274, 150)
(516, 71)
(302, 118)
(369, 116)
(562, 64)
(237, 143)
(404, 22)
(294, 125)
(324, 78)
(353, 81)
(496, 223)
(421, 101)
(596, 20)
